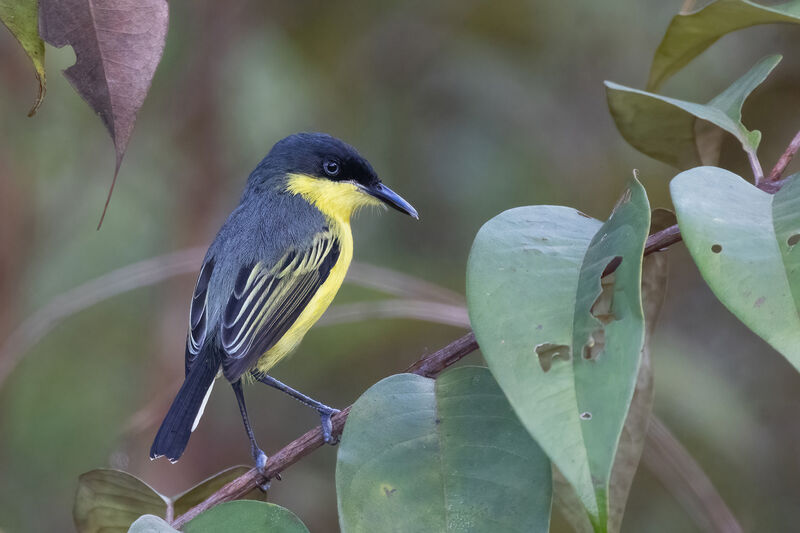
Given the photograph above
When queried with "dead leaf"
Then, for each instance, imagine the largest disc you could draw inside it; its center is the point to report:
(118, 45)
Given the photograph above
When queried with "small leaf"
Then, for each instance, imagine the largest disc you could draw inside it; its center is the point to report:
(21, 17)
(151, 524)
(118, 45)
(533, 278)
(204, 489)
(685, 134)
(744, 241)
(246, 516)
(688, 35)
(447, 455)
(110, 500)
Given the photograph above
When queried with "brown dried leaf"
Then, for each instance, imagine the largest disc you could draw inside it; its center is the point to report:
(118, 45)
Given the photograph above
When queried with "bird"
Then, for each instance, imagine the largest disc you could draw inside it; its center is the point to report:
(272, 270)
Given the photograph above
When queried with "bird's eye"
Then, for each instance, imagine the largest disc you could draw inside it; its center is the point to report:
(331, 167)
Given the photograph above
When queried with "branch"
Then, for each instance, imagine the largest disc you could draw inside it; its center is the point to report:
(429, 366)
(662, 239)
(655, 243)
(772, 184)
(785, 159)
(664, 456)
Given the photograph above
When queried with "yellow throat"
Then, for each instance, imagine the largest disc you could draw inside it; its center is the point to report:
(337, 201)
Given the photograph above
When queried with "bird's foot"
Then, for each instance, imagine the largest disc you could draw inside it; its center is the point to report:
(325, 414)
(261, 465)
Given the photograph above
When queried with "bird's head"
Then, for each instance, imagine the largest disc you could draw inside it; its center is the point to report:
(330, 174)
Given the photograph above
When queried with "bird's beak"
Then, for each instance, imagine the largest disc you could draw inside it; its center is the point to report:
(390, 198)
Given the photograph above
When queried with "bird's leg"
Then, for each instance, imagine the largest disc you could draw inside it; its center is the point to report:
(259, 456)
(324, 411)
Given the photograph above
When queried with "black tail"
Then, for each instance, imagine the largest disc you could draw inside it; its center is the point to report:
(175, 430)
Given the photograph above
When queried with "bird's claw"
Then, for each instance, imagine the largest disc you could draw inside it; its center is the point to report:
(327, 425)
(261, 465)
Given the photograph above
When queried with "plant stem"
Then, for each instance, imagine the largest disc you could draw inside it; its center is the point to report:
(662, 239)
(785, 159)
(429, 366)
(755, 164)
(671, 235)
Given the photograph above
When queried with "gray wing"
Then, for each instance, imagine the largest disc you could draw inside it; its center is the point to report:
(267, 299)
(198, 313)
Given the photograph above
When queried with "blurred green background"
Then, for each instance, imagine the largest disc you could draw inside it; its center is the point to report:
(466, 108)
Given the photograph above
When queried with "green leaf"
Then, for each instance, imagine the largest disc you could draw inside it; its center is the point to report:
(446, 455)
(21, 17)
(567, 366)
(246, 516)
(203, 490)
(151, 524)
(685, 134)
(634, 432)
(743, 240)
(688, 35)
(110, 500)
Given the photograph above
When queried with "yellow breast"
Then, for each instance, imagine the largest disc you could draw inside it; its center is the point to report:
(337, 201)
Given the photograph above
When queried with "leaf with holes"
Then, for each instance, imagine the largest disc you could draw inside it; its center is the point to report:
(685, 134)
(246, 516)
(689, 34)
(568, 367)
(110, 500)
(118, 45)
(631, 443)
(744, 241)
(21, 17)
(443, 455)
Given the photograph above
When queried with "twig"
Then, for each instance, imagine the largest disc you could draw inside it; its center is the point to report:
(785, 159)
(671, 235)
(680, 474)
(662, 239)
(664, 456)
(755, 164)
(655, 243)
(428, 366)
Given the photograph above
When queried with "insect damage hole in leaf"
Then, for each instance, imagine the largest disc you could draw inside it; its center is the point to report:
(794, 239)
(548, 352)
(716, 248)
(602, 310)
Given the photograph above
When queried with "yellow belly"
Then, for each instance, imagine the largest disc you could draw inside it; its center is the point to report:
(318, 304)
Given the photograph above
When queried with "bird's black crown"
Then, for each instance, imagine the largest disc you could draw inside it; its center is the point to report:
(318, 155)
